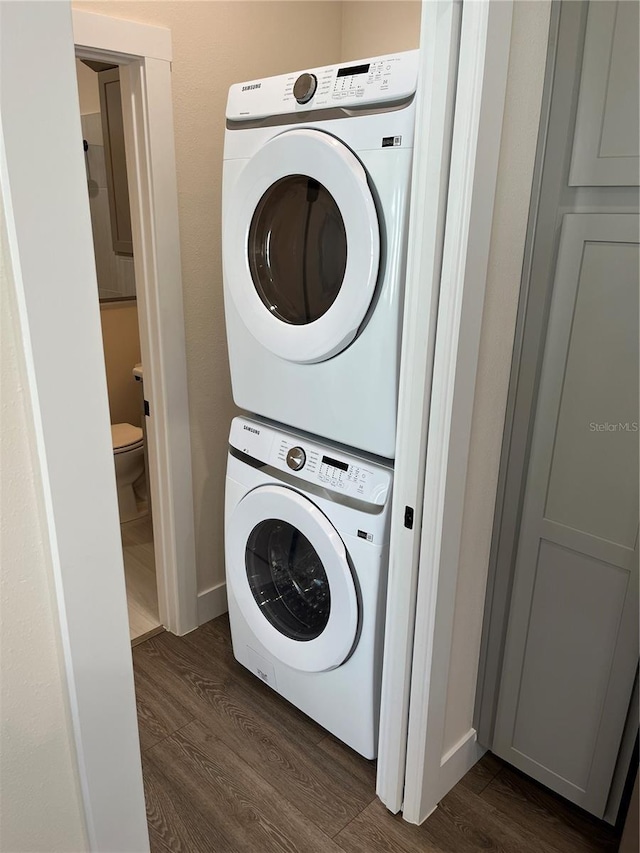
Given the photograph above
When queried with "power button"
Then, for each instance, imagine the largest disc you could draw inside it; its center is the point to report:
(296, 458)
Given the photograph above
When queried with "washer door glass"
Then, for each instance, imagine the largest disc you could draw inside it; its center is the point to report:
(289, 576)
(297, 249)
(288, 580)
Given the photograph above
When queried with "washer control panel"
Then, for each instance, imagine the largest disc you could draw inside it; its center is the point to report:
(368, 81)
(330, 468)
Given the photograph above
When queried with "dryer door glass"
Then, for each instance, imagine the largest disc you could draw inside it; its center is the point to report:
(297, 249)
(287, 580)
(301, 244)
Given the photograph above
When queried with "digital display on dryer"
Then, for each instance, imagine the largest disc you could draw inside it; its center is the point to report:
(327, 460)
(355, 69)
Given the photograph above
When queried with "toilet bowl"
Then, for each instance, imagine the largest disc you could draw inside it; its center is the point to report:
(128, 456)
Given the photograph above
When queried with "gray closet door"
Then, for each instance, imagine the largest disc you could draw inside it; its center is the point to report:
(605, 148)
(572, 641)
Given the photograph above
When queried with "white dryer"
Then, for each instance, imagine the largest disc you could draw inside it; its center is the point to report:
(316, 179)
(307, 529)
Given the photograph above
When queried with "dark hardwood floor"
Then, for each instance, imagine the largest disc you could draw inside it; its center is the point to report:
(230, 766)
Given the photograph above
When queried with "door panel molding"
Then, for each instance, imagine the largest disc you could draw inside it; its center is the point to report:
(605, 149)
(602, 668)
(568, 537)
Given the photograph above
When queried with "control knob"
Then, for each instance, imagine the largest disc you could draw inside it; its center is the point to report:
(296, 458)
(305, 88)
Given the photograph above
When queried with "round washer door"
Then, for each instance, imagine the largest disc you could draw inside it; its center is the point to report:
(291, 579)
(302, 245)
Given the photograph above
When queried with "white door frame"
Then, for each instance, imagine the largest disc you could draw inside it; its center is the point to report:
(144, 55)
(43, 182)
(44, 190)
(482, 81)
(437, 389)
(438, 64)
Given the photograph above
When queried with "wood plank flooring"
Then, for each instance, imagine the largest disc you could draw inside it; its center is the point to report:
(231, 767)
(140, 576)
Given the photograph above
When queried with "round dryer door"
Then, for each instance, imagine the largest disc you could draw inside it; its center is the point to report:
(302, 245)
(291, 579)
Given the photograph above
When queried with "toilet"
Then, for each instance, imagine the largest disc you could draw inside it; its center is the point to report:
(128, 456)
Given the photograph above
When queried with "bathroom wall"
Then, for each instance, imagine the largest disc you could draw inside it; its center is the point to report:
(88, 91)
(121, 351)
(39, 785)
(376, 27)
(115, 272)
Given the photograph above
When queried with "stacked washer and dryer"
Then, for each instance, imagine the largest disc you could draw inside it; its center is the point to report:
(316, 178)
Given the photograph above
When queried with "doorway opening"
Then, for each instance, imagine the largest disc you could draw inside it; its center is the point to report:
(104, 147)
(142, 256)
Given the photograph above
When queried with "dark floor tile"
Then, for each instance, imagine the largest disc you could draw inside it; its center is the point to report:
(159, 714)
(482, 773)
(260, 732)
(223, 803)
(351, 762)
(465, 823)
(560, 824)
(376, 829)
(175, 822)
(462, 823)
(231, 767)
(210, 653)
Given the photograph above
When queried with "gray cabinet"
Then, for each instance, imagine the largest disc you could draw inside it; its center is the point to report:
(572, 642)
(560, 644)
(605, 147)
(115, 160)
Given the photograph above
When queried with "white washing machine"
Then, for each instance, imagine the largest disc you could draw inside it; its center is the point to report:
(316, 179)
(307, 529)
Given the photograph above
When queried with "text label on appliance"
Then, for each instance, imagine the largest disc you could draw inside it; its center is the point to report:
(391, 141)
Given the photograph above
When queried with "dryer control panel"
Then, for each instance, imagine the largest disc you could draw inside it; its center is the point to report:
(366, 82)
(326, 466)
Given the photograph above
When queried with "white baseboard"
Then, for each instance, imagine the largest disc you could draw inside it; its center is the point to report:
(212, 602)
(459, 760)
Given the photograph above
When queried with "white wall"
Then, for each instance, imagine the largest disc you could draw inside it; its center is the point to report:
(517, 153)
(39, 791)
(376, 27)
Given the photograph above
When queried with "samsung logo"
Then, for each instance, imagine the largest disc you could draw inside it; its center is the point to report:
(251, 429)
(251, 86)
